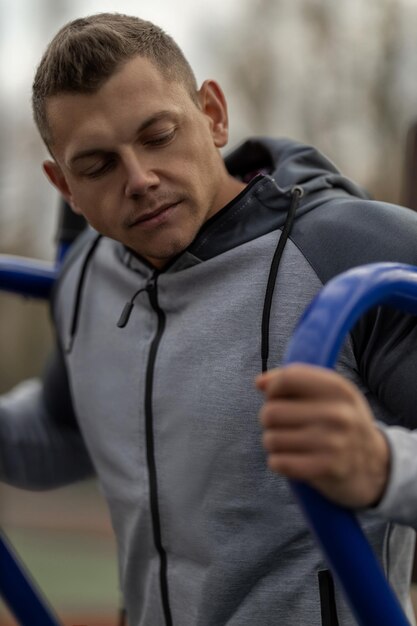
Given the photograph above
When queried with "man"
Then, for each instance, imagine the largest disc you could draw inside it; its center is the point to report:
(157, 395)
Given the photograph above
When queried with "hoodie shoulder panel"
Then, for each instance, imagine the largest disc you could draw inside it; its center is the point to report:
(346, 233)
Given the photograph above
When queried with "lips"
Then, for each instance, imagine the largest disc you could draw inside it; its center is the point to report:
(154, 216)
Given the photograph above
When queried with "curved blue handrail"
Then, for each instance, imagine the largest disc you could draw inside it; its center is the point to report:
(20, 593)
(34, 279)
(26, 276)
(317, 340)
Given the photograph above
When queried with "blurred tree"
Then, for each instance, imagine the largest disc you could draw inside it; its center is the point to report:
(333, 74)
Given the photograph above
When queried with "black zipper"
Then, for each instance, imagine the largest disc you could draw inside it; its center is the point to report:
(150, 450)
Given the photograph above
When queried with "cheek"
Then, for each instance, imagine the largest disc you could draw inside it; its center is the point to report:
(95, 202)
(197, 164)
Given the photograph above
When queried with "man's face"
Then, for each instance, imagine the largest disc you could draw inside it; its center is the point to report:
(139, 158)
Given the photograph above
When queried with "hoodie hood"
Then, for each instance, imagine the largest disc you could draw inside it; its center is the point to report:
(290, 163)
(274, 168)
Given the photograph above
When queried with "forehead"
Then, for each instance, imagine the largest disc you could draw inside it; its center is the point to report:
(137, 91)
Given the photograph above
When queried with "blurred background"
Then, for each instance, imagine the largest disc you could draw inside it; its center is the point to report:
(340, 75)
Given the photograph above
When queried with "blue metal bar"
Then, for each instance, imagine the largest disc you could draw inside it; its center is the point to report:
(35, 279)
(27, 277)
(317, 340)
(19, 592)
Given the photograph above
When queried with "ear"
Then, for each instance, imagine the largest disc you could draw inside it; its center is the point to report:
(214, 105)
(57, 178)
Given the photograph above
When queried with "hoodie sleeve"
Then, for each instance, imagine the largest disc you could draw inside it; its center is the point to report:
(41, 446)
(399, 503)
(385, 343)
(335, 237)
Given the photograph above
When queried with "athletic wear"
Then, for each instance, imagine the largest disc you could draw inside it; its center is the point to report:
(167, 407)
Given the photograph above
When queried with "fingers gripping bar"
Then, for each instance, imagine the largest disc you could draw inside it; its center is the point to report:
(317, 340)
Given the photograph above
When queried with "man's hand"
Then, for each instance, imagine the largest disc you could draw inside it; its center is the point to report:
(318, 428)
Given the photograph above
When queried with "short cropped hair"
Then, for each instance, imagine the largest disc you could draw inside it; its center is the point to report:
(88, 50)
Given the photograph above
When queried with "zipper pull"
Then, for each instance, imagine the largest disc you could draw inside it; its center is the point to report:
(151, 285)
(151, 288)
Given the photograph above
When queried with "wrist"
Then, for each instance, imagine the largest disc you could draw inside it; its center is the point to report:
(381, 469)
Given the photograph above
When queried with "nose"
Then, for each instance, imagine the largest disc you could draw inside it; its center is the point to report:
(140, 177)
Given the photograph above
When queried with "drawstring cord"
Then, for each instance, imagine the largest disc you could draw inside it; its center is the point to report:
(127, 309)
(80, 286)
(297, 193)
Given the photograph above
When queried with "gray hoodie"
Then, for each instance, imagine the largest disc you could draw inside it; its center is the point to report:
(164, 409)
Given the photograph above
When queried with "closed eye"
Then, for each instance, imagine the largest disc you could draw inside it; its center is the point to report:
(97, 171)
(162, 139)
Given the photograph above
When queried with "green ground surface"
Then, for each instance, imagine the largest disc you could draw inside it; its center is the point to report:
(64, 540)
(72, 570)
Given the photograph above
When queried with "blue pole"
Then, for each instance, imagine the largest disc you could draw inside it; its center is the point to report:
(317, 340)
(35, 279)
(27, 277)
(19, 592)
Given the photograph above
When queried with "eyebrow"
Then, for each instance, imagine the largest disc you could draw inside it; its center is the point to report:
(149, 121)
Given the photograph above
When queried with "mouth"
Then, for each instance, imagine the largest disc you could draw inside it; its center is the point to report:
(153, 218)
